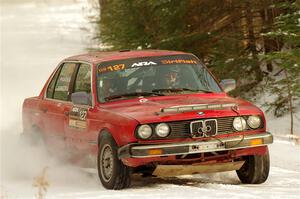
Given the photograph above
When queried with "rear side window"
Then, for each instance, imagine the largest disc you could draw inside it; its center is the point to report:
(83, 79)
(50, 89)
(61, 89)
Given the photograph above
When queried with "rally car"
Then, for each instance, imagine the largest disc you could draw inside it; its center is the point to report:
(154, 112)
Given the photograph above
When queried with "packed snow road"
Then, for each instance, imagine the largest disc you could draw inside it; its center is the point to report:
(35, 36)
(68, 181)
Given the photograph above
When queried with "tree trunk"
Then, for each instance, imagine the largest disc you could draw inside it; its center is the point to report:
(252, 41)
(290, 102)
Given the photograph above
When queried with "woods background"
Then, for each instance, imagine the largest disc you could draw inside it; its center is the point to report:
(256, 42)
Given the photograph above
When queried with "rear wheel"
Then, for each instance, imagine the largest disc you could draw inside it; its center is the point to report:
(112, 172)
(255, 169)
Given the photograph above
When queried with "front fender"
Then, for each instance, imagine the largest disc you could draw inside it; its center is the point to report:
(121, 128)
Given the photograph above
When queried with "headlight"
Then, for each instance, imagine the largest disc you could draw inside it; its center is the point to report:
(162, 130)
(239, 124)
(144, 131)
(254, 121)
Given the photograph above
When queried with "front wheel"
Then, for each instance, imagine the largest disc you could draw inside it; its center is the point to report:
(255, 169)
(112, 172)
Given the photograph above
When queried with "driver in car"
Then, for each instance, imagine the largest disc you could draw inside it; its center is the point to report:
(171, 78)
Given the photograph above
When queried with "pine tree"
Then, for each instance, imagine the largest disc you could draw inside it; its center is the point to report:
(225, 34)
(285, 84)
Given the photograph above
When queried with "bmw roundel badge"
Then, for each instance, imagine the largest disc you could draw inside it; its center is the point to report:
(200, 113)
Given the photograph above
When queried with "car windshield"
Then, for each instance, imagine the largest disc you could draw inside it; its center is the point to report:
(153, 76)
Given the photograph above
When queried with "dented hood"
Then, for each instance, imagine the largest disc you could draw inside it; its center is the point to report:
(149, 109)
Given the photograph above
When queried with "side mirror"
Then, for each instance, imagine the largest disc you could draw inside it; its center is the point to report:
(228, 84)
(81, 98)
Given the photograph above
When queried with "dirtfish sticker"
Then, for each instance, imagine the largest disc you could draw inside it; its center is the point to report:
(179, 61)
(144, 63)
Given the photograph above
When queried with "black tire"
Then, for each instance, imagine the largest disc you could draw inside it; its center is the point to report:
(255, 169)
(115, 175)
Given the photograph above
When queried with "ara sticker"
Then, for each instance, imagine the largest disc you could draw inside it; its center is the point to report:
(143, 63)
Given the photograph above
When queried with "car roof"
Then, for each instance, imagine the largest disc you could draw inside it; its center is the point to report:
(97, 57)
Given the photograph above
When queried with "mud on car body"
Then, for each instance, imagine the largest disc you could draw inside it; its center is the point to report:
(159, 113)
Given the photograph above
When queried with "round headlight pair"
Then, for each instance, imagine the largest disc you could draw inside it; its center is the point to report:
(254, 121)
(240, 124)
(162, 130)
(145, 131)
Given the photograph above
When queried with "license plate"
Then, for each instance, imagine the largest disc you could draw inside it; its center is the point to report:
(205, 147)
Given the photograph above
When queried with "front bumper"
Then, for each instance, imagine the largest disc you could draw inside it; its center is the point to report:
(184, 148)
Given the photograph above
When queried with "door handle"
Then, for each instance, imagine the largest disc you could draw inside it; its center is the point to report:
(67, 113)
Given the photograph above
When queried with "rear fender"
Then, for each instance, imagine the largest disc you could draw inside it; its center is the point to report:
(31, 115)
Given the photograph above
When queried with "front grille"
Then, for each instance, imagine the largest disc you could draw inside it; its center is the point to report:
(181, 129)
(225, 125)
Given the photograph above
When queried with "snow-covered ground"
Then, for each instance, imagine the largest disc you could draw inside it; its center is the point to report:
(68, 181)
(35, 36)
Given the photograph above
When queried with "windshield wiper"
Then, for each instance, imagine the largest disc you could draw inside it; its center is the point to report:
(132, 95)
(180, 90)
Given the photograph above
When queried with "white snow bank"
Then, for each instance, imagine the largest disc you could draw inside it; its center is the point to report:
(281, 126)
(35, 36)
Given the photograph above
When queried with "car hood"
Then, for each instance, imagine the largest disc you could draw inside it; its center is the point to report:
(149, 109)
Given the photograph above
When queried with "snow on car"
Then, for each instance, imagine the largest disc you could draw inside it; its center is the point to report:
(159, 113)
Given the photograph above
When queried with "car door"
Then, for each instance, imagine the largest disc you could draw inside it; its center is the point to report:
(77, 125)
(54, 106)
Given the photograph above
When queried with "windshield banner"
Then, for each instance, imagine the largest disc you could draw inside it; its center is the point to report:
(146, 61)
